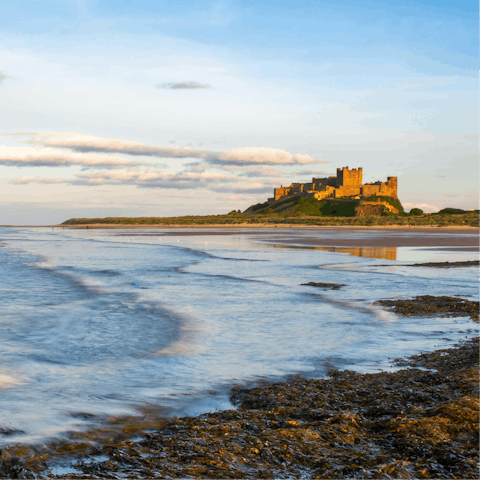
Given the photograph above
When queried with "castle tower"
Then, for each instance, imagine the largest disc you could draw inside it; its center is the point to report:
(349, 178)
(392, 183)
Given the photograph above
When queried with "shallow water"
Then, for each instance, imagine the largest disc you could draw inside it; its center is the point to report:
(102, 322)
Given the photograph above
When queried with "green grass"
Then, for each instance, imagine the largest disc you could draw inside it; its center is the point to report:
(312, 207)
(451, 211)
(295, 218)
(343, 207)
(309, 206)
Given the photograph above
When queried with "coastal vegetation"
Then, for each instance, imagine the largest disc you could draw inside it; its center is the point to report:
(302, 211)
(416, 211)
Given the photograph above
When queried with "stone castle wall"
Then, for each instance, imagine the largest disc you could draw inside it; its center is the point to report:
(388, 189)
(324, 182)
(347, 183)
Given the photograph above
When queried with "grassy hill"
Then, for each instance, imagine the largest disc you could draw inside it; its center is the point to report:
(296, 211)
(306, 206)
(338, 207)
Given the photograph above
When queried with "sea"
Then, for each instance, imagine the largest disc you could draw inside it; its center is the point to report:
(97, 324)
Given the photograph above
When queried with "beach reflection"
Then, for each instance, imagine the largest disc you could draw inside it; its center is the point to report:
(386, 253)
(389, 253)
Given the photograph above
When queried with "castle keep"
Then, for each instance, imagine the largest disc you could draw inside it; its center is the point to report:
(347, 183)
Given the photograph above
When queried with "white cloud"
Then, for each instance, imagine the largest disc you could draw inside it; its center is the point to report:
(51, 157)
(261, 156)
(181, 180)
(89, 143)
(239, 157)
(240, 170)
(217, 182)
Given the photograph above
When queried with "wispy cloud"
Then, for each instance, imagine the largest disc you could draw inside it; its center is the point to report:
(51, 157)
(182, 85)
(310, 173)
(250, 188)
(217, 182)
(3, 76)
(180, 180)
(261, 171)
(239, 157)
(88, 143)
(260, 156)
(250, 171)
(25, 180)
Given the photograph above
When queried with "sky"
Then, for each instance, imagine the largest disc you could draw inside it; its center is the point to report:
(160, 108)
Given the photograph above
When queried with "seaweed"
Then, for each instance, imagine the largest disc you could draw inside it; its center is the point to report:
(331, 286)
(468, 263)
(428, 305)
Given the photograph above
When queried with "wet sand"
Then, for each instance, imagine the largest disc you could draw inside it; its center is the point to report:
(467, 237)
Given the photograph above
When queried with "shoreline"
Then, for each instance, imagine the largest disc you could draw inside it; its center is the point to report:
(286, 226)
(420, 421)
(455, 238)
(278, 226)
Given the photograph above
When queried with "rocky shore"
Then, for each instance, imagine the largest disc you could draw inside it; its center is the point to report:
(420, 421)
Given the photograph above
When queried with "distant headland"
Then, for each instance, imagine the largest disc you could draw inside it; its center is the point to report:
(341, 200)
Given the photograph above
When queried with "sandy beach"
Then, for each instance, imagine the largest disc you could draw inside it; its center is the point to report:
(466, 243)
(466, 237)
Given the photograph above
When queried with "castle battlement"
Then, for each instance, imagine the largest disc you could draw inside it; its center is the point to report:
(347, 183)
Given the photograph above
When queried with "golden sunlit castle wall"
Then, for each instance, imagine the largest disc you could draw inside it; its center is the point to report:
(347, 183)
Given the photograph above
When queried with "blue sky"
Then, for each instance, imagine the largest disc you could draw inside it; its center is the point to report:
(266, 93)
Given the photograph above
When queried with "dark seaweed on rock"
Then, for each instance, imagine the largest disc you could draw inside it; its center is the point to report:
(429, 305)
(331, 286)
(468, 263)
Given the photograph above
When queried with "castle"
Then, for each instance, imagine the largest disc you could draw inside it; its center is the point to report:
(347, 183)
